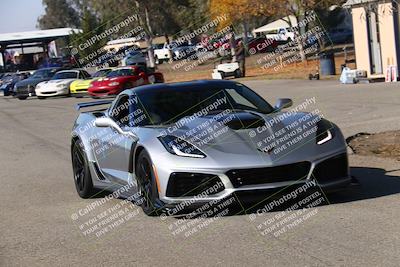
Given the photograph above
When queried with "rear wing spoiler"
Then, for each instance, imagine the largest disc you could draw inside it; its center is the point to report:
(92, 104)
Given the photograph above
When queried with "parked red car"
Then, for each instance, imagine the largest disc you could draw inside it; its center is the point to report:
(123, 78)
(261, 45)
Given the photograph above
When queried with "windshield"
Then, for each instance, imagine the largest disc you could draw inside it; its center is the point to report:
(101, 73)
(14, 77)
(65, 75)
(135, 54)
(169, 105)
(43, 74)
(121, 72)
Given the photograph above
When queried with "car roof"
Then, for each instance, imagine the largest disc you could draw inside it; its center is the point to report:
(186, 85)
(50, 68)
(126, 67)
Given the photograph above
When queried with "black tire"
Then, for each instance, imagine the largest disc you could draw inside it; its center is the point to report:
(82, 178)
(147, 184)
(22, 97)
(41, 97)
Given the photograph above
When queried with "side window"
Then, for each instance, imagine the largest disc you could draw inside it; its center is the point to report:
(239, 99)
(120, 112)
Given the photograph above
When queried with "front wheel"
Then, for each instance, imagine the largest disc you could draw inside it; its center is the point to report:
(22, 97)
(80, 166)
(147, 185)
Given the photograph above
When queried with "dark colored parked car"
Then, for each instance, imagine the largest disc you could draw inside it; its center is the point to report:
(8, 82)
(339, 36)
(26, 88)
(261, 45)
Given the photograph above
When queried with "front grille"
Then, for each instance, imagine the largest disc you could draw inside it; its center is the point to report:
(284, 173)
(49, 93)
(25, 89)
(100, 92)
(332, 169)
(192, 184)
(22, 89)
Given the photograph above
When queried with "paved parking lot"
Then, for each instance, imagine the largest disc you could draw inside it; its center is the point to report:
(360, 227)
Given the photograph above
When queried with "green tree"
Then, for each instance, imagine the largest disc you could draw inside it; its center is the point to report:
(58, 14)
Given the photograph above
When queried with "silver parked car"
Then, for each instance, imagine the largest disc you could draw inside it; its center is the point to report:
(173, 142)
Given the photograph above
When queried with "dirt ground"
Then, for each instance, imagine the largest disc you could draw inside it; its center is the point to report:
(386, 144)
(177, 72)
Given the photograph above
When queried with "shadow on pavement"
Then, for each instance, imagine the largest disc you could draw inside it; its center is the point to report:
(374, 183)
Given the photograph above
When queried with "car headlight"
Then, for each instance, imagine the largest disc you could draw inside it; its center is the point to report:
(113, 84)
(60, 85)
(325, 132)
(179, 147)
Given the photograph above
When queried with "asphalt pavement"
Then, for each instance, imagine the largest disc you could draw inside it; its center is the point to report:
(40, 223)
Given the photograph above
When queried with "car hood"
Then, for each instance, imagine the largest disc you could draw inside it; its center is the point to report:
(106, 81)
(239, 136)
(32, 82)
(56, 82)
(83, 83)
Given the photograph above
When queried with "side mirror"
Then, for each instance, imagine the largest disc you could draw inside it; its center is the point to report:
(283, 103)
(106, 122)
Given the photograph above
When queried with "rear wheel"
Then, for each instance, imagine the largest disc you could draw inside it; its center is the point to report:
(80, 166)
(147, 185)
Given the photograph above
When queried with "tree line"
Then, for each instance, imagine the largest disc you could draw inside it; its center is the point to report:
(173, 17)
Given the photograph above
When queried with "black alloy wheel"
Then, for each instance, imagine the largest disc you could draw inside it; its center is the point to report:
(82, 177)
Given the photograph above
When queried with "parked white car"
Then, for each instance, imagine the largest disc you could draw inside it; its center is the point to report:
(60, 83)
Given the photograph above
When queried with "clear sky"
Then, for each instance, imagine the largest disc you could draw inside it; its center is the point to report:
(19, 15)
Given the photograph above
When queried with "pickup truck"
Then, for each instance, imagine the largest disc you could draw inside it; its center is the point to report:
(162, 53)
(281, 34)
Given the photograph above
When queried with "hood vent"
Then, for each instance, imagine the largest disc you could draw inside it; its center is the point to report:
(243, 120)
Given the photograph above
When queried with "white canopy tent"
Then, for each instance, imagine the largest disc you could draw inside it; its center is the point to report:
(278, 24)
(31, 41)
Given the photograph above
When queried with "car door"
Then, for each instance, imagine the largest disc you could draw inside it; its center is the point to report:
(115, 148)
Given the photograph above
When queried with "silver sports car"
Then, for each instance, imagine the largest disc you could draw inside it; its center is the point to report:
(202, 141)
